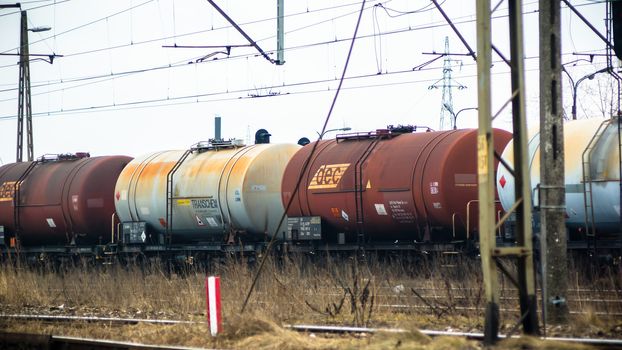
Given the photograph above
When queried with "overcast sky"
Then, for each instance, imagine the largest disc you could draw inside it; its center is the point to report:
(117, 90)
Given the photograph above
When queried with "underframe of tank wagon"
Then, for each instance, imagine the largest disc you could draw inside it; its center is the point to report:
(198, 253)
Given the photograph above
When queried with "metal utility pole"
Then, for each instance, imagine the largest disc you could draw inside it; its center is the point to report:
(552, 191)
(24, 106)
(280, 32)
(491, 255)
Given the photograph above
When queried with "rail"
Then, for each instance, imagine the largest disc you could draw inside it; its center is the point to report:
(601, 343)
(42, 341)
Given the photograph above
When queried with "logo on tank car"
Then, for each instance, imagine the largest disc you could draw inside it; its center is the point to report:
(328, 176)
(204, 203)
(7, 191)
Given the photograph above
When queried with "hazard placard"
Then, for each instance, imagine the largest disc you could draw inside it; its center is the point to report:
(199, 221)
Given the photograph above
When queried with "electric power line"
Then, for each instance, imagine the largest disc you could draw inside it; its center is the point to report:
(170, 101)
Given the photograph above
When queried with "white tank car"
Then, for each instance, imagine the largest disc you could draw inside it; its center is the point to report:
(592, 175)
(215, 190)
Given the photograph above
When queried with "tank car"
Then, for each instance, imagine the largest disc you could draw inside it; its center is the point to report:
(592, 176)
(59, 200)
(209, 193)
(386, 186)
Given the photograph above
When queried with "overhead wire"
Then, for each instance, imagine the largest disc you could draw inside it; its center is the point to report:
(112, 75)
(147, 41)
(144, 103)
(328, 42)
(442, 23)
(85, 24)
(33, 8)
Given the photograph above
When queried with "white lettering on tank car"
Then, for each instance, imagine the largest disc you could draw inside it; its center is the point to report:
(258, 188)
(434, 187)
(209, 203)
(123, 195)
(437, 205)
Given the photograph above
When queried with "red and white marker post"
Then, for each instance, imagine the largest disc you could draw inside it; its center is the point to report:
(214, 313)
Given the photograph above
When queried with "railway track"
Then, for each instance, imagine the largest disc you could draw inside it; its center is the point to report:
(600, 343)
(25, 341)
(38, 341)
(59, 318)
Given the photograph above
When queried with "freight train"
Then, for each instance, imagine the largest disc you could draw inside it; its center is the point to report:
(392, 189)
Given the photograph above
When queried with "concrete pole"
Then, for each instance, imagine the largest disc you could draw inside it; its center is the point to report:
(552, 191)
(485, 172)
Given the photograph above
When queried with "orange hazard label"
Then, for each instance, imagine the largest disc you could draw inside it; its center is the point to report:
(7, 191)
(328, 176)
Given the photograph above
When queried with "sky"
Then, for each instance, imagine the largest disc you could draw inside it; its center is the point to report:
(118, 90)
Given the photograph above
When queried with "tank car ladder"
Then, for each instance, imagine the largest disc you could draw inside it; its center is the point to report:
(590, 230)
(359, 188)
(170, 189)
(17, 197)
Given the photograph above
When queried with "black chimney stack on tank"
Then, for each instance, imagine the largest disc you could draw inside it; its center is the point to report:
(217, 128)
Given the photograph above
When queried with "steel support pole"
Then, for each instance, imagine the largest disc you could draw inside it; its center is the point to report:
(280, 32)
(523, 251)
(28, 102)
(24, 110)
(485, 171)
(525, 265)
(552, 191)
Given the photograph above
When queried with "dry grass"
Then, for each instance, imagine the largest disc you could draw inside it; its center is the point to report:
(443, 294)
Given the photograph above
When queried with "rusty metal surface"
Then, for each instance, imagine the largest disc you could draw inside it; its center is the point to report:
(414, 186)
(9, 175)
(62, 201)
(214, 192)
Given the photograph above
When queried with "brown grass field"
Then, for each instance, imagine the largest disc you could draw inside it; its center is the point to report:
(434, 294)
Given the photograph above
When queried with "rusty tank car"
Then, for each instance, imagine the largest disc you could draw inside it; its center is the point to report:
(389, 185)
(213, 192)
(59, 199)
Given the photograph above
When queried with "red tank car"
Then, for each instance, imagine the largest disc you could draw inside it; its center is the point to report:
(59, 200)
(390, 185)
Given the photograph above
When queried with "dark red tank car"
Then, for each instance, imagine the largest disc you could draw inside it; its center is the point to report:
(59, 200)
(390, 185)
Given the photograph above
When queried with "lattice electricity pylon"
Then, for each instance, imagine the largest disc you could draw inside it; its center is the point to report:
(448, 116)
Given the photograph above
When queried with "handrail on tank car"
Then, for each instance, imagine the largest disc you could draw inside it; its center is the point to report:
(112, 228)
(468, 209)
(389, 132)
(498, 220)
(52, 157)
(216, 144)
